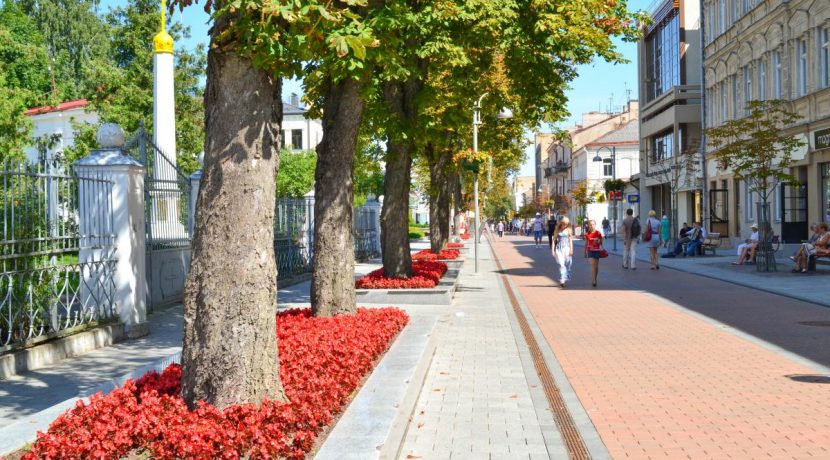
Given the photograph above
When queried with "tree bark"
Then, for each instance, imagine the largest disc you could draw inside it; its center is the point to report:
(439, 199)
(456, 202)
(230, 344)
(332, 276)
(394, 219)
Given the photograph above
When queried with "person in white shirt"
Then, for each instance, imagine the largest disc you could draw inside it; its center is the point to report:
(538, 222)
(747, 248)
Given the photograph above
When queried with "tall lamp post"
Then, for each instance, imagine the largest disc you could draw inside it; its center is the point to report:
(505, 113)
(598, 158)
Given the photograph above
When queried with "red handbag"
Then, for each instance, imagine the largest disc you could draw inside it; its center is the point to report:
(603, 253)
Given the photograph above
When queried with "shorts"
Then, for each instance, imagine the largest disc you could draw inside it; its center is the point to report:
(537, 234)
(593, 254)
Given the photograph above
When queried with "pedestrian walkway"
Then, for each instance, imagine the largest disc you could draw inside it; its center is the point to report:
(479, 399)
(673, 365)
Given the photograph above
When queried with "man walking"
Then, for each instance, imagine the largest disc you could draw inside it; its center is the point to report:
(500, 229)
(631, 232)
(537, 229)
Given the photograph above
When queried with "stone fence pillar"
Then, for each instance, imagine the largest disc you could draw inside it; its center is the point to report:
(126, 199)
(374, 207)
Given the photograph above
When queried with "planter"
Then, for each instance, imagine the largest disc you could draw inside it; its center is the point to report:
(439, 295)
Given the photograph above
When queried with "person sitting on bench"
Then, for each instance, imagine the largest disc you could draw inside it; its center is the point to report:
(696, 236)
(746, 248)
(682, 238)
(821, 248)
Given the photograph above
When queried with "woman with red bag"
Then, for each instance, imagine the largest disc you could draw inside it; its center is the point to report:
(593, 249)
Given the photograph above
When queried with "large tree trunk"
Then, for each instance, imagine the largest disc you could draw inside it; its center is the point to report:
(439, 198)
(230, 343)
(394, 219)
(456, 202)
(332, 277)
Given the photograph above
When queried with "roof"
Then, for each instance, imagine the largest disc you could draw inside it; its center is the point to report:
(624, 135)
(291, 109)
(63, 106)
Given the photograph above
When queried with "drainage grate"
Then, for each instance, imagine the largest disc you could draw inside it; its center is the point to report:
(815, 323)
(573, 440)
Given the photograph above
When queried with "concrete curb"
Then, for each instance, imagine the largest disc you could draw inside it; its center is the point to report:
(374, 425)
(442, 294)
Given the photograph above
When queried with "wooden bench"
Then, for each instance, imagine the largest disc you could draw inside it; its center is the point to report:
(711, 243)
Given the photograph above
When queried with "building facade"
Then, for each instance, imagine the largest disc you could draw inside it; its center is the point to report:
(298, 131)
(57, 121)
(760, 50)
(669, 67)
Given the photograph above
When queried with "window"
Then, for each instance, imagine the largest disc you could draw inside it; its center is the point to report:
(722, 16)
(776, 75)
(824, 57)
(747, 89)
(607, 168)
(736, 11)
(735, 102)
(297, 139)
(749, 202)
(663, 56)
(662, 146)
(762, 80)
(801, 66)
(282, 139)
(779, 203)
(724, 107)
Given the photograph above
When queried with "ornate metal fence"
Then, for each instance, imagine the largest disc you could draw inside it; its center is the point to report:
(366, 244)
(57, 254)
(167, 215)
(293, 234)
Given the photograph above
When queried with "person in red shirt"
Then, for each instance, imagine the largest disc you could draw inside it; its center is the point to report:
(593, 245)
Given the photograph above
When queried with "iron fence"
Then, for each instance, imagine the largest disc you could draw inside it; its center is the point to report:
(366, 245)
(293, 234)
(56, 253)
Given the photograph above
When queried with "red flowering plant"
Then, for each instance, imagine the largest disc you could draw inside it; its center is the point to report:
(464, 236)
(425, 274)
(444, 254)
(455, 245)
(323, 360)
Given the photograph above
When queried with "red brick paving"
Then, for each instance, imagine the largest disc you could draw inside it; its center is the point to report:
(658, 382)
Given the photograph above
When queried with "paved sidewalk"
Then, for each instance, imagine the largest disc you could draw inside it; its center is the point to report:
(673, 365)
(477, 402)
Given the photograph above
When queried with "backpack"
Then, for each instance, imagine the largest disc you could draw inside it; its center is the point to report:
(635, 228)
(647, 236)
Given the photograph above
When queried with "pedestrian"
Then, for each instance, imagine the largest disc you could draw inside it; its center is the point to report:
(500, 229)
(563, 252)
(651, 238)
(606, 227)
(552, 224)
(665, 230)
(537, 229)
(593, 247)
(631, 233)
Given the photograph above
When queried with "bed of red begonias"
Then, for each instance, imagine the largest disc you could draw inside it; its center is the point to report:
(323, 360)
(425, 274)
(464, 236)
(455, 245)
(444, 254)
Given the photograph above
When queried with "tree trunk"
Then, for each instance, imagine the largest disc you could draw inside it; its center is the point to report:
(456, 202)
(230, 343)
(394, 219)
(439, 198)
(399, 97)
(332, 276)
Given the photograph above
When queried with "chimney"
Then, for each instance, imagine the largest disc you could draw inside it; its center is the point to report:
(295, 100)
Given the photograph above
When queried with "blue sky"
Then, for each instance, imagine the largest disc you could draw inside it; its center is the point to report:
(597, 86)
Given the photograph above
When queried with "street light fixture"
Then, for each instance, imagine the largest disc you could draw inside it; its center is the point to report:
(598, 158)
(504, 114)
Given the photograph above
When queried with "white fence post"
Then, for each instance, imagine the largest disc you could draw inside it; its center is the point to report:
(128, 223)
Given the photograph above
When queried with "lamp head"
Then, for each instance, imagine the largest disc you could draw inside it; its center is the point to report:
(597, 157)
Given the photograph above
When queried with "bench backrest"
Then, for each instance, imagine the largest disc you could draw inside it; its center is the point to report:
(712, 236)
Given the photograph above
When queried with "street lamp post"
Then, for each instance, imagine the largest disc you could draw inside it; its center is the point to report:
(598, 158)
(505, 113)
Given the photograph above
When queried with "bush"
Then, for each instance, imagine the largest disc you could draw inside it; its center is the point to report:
(415, 235)
(445, 254)
(425, 274)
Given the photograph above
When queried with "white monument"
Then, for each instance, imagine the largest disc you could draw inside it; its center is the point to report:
(165, 223)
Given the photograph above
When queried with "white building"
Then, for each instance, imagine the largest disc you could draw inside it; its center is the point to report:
(298, 131)
(48, 121)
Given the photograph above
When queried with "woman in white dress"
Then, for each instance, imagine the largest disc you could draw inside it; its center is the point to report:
(563, 250)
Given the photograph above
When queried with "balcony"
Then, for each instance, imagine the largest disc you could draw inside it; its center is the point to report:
(548, 172)
(561, 167)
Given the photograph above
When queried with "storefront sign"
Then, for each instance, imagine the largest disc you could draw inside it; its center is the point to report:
(633, 198)
(822, 139)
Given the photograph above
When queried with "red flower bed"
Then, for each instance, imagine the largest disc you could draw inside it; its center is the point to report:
(322, 362)
(464, 236)
(455, 245)
(445, 254)
(425, 274)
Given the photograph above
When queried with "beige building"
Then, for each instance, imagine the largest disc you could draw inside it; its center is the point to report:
(774, 49)
(523, 187)
(669, 66)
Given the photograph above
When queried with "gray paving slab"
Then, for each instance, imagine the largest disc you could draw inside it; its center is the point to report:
(478, 381)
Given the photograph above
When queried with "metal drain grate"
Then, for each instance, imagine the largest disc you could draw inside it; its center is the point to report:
(573, 440)
(815, 323)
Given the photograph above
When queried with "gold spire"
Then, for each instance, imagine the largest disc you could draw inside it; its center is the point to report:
(163, 42)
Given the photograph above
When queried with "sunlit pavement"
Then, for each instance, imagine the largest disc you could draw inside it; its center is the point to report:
(669, 364)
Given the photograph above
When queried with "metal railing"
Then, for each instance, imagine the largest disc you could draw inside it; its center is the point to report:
(56, 253)
(293, 234)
